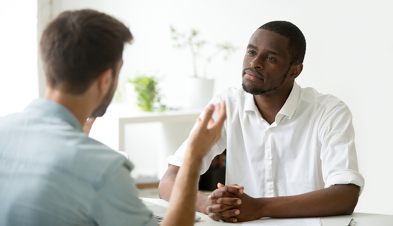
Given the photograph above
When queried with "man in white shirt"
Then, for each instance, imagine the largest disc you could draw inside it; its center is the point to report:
(291, 148)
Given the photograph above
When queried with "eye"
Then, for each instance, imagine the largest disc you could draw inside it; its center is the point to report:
(271, 58)
(251, 52)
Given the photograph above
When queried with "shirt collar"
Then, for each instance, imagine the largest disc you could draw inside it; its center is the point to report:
(54, 110)
(290, 105)
(249, 104)
(287, 109)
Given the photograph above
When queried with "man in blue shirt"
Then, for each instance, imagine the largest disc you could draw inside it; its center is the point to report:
(51, 172)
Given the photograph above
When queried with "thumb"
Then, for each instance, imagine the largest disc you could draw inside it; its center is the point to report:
(219, 185)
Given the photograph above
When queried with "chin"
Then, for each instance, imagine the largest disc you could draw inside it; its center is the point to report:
(253, 90)
(248, 86)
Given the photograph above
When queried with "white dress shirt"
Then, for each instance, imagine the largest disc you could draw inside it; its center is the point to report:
(309, 146)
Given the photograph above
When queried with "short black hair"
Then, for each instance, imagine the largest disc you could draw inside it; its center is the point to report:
(297, 42)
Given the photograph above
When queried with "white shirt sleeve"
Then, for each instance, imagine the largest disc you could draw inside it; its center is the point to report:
(218, 148)
(338, 152)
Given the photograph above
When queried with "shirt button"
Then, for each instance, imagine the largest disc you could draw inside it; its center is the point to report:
(271, 187)
(270, 158)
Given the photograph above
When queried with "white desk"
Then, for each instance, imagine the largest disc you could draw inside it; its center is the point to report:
(361, 219)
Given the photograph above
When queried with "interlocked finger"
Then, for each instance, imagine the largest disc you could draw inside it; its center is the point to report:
(219, 193)
(217, 208)
(230, 220)
(229, 201)
(224, 214)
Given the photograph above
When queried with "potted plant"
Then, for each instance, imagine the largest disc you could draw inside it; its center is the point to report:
(199, 87)
(148, 93)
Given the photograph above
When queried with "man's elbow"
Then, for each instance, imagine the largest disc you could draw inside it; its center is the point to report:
(352, 205)
(351, 200)
(161, 193)
(163, 189)
(167, 182)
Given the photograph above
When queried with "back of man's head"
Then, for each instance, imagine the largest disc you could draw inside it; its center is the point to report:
(78, 46)
(297, 42)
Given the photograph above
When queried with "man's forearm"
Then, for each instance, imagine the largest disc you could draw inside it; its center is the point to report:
(166, 190)
(179, 212)
(335, 200)
(183, 193)
(202, 202)
(166, 185)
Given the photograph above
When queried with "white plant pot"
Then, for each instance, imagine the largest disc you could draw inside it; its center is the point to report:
(198, 92)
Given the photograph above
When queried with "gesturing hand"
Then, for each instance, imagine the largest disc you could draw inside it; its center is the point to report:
(208, 131)
(246, 211)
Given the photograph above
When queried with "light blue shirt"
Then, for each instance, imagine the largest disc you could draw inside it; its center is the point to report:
(51, 173)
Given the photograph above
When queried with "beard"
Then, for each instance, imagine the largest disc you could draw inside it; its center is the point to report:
(260, 90)
(100, 110)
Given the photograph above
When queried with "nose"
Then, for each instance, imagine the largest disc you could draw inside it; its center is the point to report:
(256, 62)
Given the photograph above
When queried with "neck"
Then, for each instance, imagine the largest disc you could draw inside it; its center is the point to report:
(78, 105)
(270, 104)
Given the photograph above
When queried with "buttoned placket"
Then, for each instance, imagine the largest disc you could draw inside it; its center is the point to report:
(269, 182)
(269, 163)
(268, 139)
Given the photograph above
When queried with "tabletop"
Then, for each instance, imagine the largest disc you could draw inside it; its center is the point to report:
(360, 219)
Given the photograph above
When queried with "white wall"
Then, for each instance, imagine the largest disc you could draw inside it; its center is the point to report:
(349, 54)
(18, 54)
(44, 16)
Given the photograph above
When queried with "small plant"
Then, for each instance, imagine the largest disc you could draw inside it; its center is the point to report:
(195, 44)
(149, 98)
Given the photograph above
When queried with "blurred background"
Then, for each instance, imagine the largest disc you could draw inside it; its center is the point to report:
(349, 54)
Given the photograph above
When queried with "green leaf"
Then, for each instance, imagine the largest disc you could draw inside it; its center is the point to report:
(194, 32)
(146, 87)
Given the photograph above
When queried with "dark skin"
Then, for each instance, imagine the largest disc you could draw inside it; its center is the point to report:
(269, 74)
(229, 200)
(266, 68)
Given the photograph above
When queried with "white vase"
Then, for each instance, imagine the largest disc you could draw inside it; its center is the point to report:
(198, 92)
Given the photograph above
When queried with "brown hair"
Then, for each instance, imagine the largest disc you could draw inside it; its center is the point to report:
(78, 46)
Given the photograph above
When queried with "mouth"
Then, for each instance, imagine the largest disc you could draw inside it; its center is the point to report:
(249, 75)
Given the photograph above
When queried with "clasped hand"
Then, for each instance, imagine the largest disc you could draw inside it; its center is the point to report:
(230, 204)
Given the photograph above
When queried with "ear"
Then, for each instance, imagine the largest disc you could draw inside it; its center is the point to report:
(104, 81)
(295, 70)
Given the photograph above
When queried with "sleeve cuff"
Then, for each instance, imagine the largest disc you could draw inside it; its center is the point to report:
(347, 176)
(174, 160)
(178, 161)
